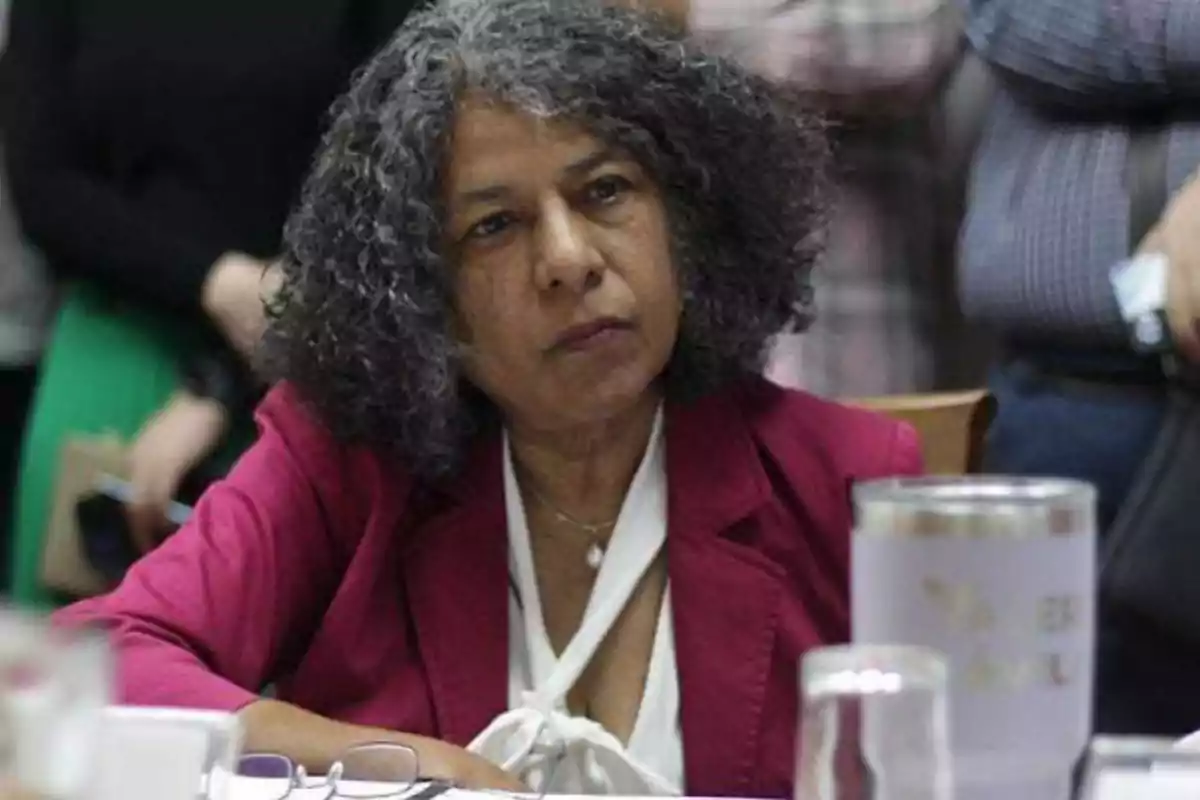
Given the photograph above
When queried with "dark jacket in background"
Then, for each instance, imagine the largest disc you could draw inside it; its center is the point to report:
(145, 139)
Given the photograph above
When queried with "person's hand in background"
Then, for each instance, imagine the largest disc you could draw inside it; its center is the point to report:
(180, 436)
(234, 296)
(1177, 236)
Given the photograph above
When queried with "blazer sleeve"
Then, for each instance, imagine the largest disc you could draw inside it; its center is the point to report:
(904, 458)
(233, 597)
(81, 223)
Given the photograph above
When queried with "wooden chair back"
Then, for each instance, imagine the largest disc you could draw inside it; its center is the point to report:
(952, 426)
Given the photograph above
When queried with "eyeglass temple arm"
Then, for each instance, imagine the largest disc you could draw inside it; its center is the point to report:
(436, 788)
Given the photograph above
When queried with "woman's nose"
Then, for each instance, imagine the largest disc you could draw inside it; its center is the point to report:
(566, 256)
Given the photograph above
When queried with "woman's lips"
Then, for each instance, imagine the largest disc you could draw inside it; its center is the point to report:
(592, 334)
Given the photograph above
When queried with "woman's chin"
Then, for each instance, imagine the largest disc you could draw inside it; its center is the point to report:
(614, 397)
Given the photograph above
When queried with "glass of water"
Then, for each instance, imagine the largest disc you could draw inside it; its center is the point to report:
(54, 687)
(874, 724)
(998, 574)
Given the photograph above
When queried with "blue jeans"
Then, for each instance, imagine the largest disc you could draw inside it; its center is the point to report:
(1147, 682)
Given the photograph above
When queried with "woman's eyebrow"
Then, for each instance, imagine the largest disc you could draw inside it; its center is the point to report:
(576, 169)
(590, 162)
(484, 194)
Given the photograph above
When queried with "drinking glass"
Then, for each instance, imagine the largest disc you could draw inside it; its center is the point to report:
(999, 575)
(54, 686)
(873, 725)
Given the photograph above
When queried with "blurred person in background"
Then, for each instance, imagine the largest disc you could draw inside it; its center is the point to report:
(889, 320)
(1092, 99)
(154, 151)
(25, 303)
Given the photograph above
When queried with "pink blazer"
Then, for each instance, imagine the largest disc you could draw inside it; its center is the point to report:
(369, 598)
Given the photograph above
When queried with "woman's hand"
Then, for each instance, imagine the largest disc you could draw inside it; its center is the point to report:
(464, 769)
(181, 435)
(1177, 236)
(234, 296)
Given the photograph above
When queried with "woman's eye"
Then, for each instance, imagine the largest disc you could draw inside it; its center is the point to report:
(491, 225)
(607, 189)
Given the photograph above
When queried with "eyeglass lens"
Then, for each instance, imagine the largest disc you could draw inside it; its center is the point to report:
(265, 766)
(366, 771)
(376, 771)
(274, 774)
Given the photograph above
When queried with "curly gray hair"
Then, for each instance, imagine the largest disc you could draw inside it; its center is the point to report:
(363, 324)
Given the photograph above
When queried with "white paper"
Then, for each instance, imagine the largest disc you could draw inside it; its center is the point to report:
(152, 765)
(1164, 784)
(1189, 742)
(242, 788)
(259, 789)
(164, 753)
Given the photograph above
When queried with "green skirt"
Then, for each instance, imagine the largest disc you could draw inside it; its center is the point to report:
(108, 368)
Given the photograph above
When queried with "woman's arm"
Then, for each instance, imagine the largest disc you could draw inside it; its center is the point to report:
(78, 220)
(231, 599)
(1101, 54)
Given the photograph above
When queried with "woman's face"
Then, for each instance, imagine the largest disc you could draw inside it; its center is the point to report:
(565, 291)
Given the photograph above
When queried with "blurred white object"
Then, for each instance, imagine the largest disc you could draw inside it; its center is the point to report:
(166, 753)
(26, 295)
(999, 575)
(874, 723)
(1140, 768)
(54, 686)
(1189, 742)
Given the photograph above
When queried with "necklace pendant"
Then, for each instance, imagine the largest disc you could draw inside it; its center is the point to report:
(595, 556)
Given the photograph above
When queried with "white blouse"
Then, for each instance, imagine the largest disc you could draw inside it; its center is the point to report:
(538, 737)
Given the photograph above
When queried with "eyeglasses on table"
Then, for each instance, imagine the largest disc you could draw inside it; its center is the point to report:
(368, 771)
(372, 770)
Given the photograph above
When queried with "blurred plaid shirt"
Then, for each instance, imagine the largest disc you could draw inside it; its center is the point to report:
(887, 316)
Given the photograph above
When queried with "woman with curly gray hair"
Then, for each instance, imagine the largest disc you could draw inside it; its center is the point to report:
(522, 509)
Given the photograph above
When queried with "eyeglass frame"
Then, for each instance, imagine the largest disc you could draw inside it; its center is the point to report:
(435, 787)
(297, 775)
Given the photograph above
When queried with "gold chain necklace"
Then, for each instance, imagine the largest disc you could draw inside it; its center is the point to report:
(595, 553)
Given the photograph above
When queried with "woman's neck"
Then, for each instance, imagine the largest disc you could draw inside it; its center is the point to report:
(584, 471)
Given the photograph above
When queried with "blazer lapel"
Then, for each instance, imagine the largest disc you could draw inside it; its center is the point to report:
(456, 571)
(725, 595)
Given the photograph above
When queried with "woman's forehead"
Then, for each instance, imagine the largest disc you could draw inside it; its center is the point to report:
(497, 143)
